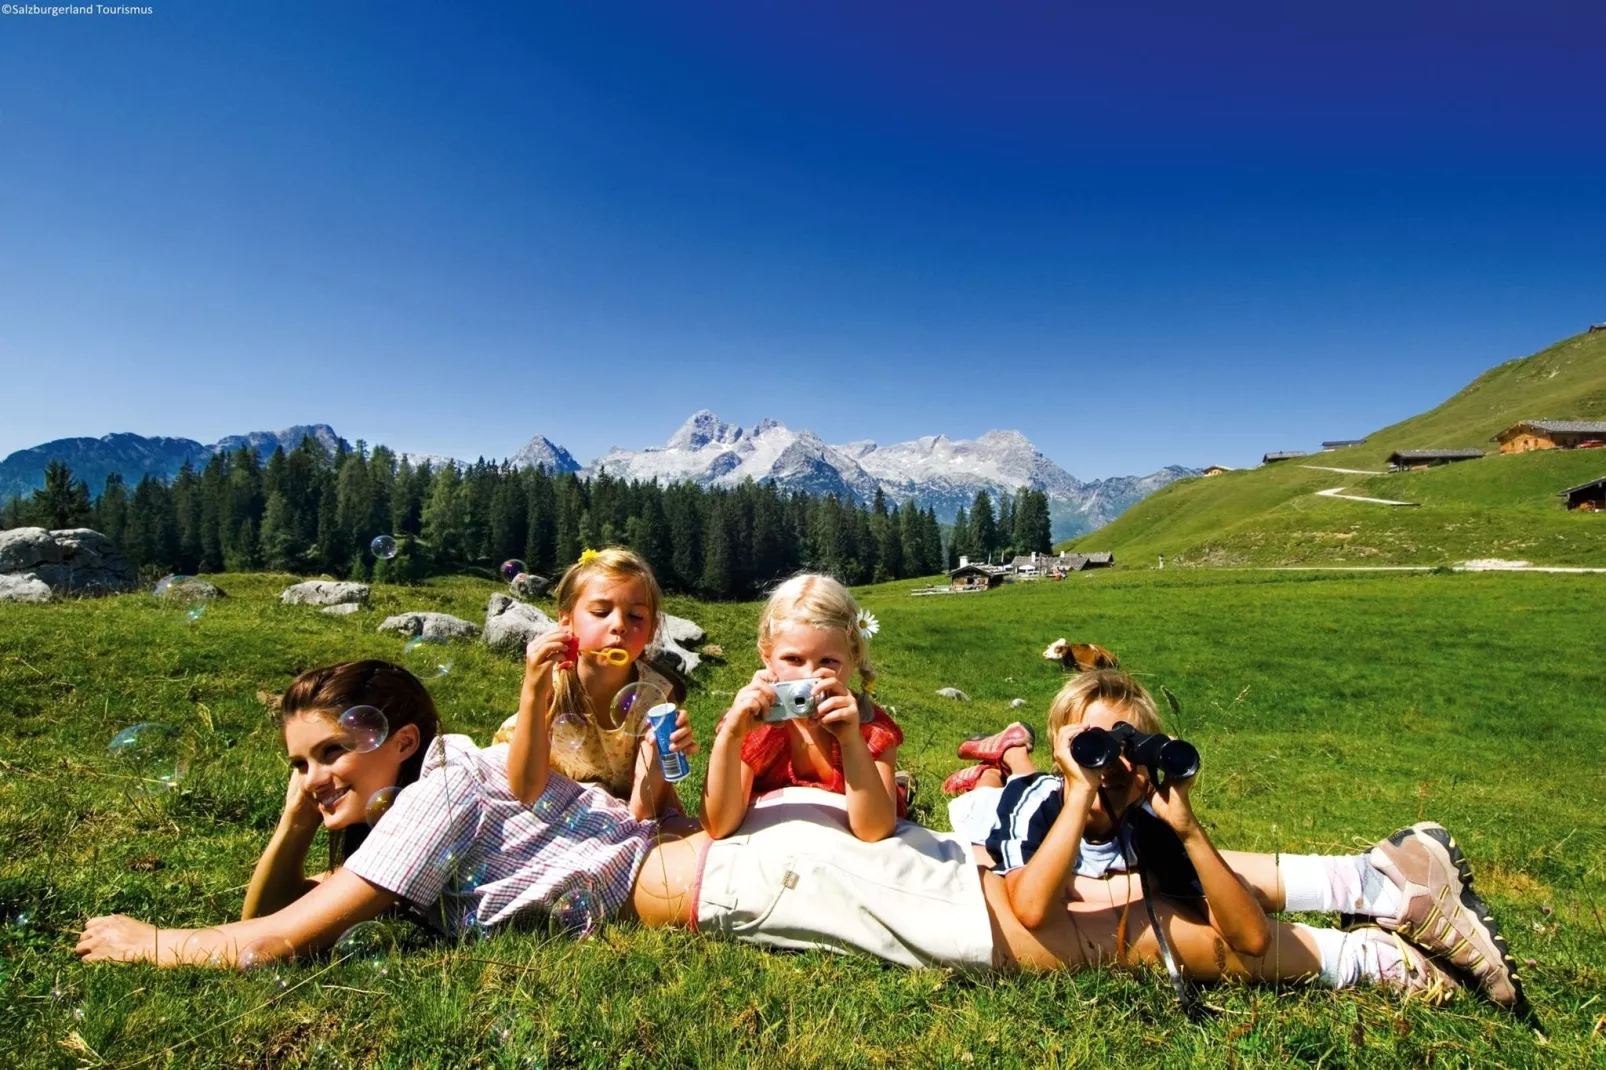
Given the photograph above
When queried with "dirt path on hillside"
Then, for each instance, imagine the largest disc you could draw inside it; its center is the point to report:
(1338, 492)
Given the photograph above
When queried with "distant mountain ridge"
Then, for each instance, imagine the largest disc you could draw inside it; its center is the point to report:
(936, 470)
(135, 456)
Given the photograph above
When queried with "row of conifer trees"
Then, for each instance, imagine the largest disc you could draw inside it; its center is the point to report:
(311, 511)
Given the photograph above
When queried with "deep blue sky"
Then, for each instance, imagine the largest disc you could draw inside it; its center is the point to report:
(1141, 233)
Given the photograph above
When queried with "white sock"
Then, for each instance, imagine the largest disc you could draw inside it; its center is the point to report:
(1349, 883)
(1364, 955)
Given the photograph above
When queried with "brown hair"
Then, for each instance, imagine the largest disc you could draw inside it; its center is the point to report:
(395, 692)
(1113, 686)
(614, 563)
(819, 601)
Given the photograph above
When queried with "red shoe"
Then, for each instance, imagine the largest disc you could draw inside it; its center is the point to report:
(962, 781)
(991, 748)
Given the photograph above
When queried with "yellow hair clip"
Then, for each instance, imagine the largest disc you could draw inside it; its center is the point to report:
(587, 554)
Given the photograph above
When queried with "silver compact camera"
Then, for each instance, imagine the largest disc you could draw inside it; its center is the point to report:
(793, 699)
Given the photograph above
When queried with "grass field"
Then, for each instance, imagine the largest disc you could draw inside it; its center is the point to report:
(1498, 506)
(1329, 710)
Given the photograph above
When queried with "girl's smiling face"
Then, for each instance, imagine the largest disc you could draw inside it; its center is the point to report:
(339, 779)
(612, 612)
(798, 651)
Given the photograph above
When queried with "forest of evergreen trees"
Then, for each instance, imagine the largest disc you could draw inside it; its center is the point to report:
(308, 511)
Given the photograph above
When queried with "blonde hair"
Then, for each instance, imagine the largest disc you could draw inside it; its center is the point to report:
(1112, 686)
(819, 601)
(612, 563)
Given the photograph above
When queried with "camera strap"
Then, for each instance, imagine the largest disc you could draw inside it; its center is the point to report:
(1186, 991)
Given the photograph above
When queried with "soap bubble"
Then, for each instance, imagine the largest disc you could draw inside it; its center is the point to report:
(196, 611)
(367, 947)
(383, 547)
(570, 732)
(149, 753)
(167, 583)
(204, 948)
(425, 657)
(365, 728)
(465, 872)
(268, 957)
(511, 568)
(379, 804)
(577, 913)
(631, 705)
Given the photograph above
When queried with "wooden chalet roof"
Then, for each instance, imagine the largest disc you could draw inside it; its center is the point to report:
(1283, 455)
(1591, 485)
(1551, 427)
(1418, 456)
(979, 568)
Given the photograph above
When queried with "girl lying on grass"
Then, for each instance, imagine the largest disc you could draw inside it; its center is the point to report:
(607, 615)
(795, 877)
(810, 629)
(1068, 843)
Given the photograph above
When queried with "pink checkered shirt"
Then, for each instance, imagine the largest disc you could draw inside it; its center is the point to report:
(459, 833)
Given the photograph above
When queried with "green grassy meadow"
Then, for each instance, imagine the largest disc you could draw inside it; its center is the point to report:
(1329, 708)
(1497, 506)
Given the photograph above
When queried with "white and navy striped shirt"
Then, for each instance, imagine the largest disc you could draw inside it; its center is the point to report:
(459, 832)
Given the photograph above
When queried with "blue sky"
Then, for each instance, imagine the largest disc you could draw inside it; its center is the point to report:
(1141, 233)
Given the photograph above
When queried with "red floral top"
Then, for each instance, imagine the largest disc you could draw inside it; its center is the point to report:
(767, 753)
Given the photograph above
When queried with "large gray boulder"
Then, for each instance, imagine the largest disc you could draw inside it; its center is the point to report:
(430, 626)
(510, 624)
(680, 630)
(529, 585)
(676, 636)
(23, 588)
(324, 593)
(69, 561)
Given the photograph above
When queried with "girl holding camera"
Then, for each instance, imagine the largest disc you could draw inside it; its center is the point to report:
(812, 631)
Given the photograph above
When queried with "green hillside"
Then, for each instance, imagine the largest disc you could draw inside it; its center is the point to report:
(1500, 506)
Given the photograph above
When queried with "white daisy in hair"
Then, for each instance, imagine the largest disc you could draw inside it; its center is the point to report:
(868, 625)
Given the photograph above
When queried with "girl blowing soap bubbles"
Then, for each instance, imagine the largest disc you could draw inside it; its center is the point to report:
(571, 713)
(811, 629)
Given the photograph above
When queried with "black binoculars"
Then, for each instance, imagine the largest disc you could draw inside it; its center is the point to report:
(1095, 748)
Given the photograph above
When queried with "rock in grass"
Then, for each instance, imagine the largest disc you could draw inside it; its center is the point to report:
(674, 641)
(24, 587)
(953, 693)
(511, 624)
(430, 626)
(344, 609)
(1016, 703)
(529, 585)
(680, 630)
(189, 589)
(69, 561)
(324, 593)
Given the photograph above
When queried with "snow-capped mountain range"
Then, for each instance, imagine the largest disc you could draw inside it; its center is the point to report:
(936, 471)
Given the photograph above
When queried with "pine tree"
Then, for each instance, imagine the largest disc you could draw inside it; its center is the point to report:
(983, 526)
(1033, 528)
(685, 536)
(960, 541)
(889, 547)
(63, 502)
(277, 540)
(443, 516)
(718, 551)
(111, 510)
